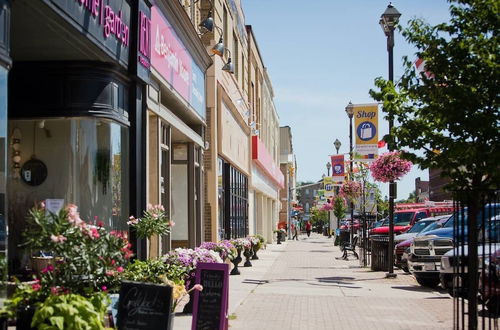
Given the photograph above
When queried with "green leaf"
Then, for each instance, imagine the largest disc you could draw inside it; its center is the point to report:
(57, 321)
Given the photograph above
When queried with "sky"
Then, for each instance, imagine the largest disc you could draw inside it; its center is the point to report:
(322, 54)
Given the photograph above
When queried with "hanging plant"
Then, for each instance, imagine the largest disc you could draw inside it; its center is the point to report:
(351, 189)
(390, 167)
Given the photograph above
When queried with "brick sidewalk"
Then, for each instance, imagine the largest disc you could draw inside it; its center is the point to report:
(307, 288)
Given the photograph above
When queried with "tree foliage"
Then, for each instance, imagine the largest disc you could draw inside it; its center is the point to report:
(339, 207)
(452, 115)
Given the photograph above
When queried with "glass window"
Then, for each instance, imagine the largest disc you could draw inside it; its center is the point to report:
(87, 165)
(403, 218)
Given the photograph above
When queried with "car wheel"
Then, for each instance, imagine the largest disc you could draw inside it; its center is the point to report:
(428, 282)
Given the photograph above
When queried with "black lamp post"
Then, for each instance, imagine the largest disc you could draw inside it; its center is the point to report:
(350, 113)
(328, 167)
(388, 22)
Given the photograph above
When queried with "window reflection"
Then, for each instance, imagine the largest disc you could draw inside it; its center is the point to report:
(87, 165)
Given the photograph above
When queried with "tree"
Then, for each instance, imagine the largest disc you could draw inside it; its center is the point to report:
(339, 207)
(451, 111)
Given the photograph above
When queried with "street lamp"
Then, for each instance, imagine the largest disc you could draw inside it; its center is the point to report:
(337, 145)
(328, 167)
(388, 21)
(349, 109)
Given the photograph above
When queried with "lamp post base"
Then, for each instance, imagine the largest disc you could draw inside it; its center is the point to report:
(391, 275)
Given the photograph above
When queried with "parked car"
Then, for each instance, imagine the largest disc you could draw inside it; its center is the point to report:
(347, 225)
(403, 241)
(424, 260)
(489, 283)
(453, 274)
(379, 223)
(405, 218)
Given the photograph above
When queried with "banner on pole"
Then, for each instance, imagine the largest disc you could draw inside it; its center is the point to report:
(328, 185)
(366, 131)
(338, 169)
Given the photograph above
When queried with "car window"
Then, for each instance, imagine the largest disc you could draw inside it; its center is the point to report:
(403, 218)
(421, 215)
(419, 226)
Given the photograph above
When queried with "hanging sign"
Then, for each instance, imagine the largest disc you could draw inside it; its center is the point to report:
(338, 169)
(366, 130)
(328, 185)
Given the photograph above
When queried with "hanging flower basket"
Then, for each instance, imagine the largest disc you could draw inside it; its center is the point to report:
(390, 167)
(351, 189)
(327, 207)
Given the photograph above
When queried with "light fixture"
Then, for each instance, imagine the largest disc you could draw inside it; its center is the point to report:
(256, 132)
(349, 109)
(389, 19)
(337, 145)
(229, 66)
(16, 152)
(219, 48)
(208, 22)
(252, 124)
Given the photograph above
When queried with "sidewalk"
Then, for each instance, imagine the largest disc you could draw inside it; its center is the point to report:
(241, 286)
(301, 285)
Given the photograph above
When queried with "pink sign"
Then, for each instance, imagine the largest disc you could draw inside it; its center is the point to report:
(169, 56)
(262, 157)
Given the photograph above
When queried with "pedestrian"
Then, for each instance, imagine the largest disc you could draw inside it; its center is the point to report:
(308, 228)
(295, 230)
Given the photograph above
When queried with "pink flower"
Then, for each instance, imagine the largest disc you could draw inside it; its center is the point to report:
(54, 290)
(48, 269)
(104, 288)
(171, 223)
(119, 269)
(36, 286)
(58, 238)
(113, 262)
(132, 221)
(198, 287)
(42, 205)
(100, 223)
(110, 273)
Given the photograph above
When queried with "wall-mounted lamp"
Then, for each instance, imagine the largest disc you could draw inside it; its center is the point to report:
(219, 48)
(229, 66)
(208, 23)
(16, 152)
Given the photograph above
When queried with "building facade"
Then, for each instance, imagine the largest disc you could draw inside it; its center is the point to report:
(288, 166)
(266, 177)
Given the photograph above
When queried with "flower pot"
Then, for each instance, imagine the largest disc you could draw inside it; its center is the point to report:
(236, 261)
(255, 248)
(248, 254)
(24, 317)
(188, 308)
(40, 263)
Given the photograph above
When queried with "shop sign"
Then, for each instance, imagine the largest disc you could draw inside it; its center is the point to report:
(262, 157)
(366, 130)
(108, 21)
(211, 304)
(170, 57)
(144, 42)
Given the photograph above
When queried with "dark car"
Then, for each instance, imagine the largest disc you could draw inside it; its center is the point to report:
(489, 283)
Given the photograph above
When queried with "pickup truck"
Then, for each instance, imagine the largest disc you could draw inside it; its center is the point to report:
(454, 271)
(424, 260)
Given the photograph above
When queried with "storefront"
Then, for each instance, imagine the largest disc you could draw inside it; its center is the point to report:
(176, 124)
(267, 180)
(76, 112)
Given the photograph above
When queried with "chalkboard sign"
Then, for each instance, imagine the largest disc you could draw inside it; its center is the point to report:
(144, 306)
(211, 304)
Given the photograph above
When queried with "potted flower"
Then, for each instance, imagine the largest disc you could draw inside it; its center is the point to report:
(225, 248)
(248, 251)
(390, 167)
(351, 189)
(185, 261)
(280, 234)
(87, 259)
(258, 242)
(153, 222)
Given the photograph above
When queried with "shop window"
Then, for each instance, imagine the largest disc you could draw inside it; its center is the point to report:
(86, 161)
